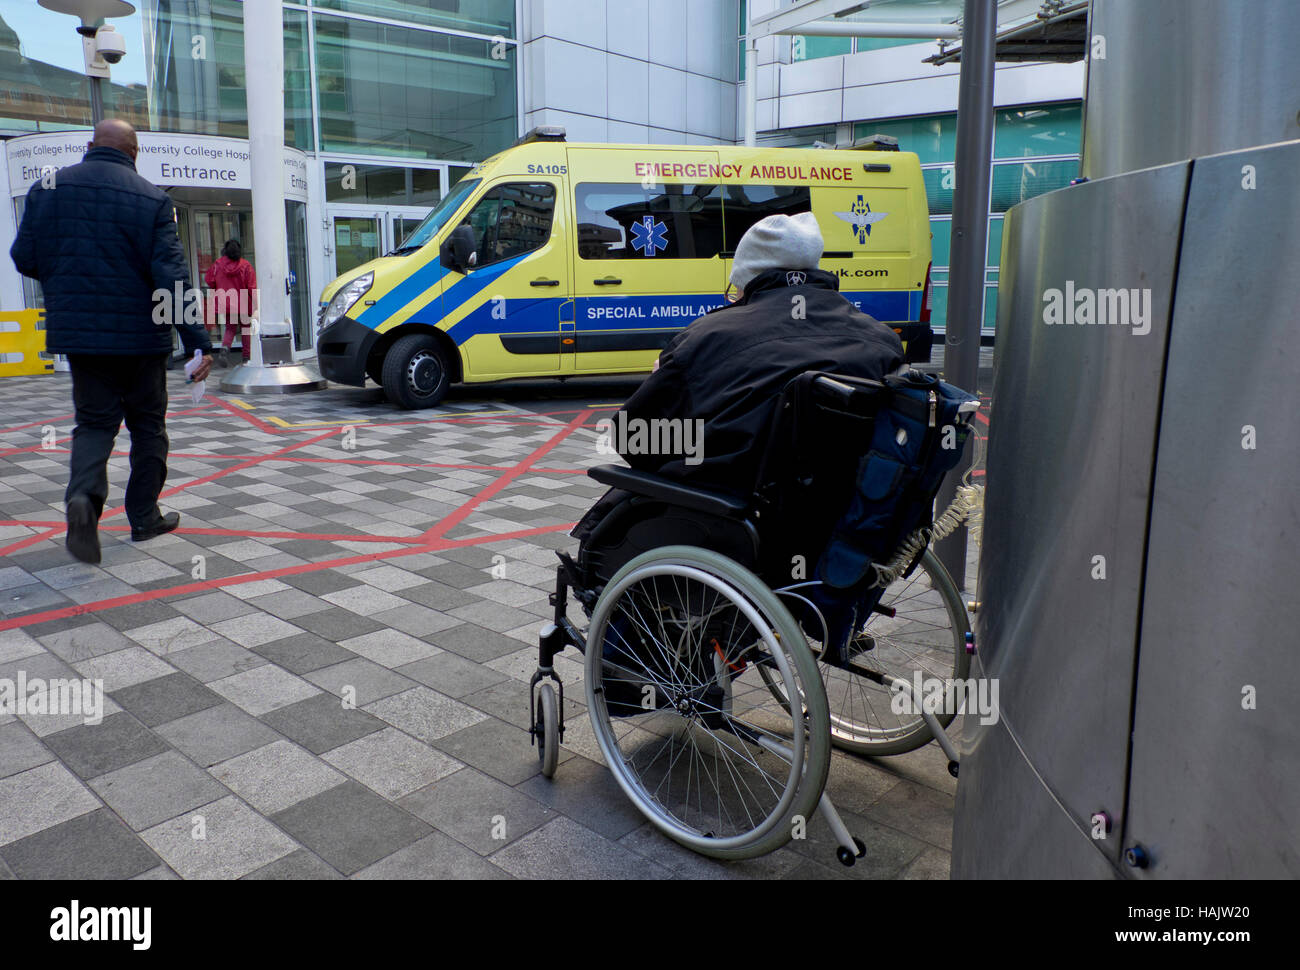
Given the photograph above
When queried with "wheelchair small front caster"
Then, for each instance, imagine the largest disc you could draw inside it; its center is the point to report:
(952, 768)
(847, 857)
(547, 730)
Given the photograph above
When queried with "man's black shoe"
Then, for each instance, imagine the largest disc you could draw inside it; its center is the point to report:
(83, 530)
(164, 525)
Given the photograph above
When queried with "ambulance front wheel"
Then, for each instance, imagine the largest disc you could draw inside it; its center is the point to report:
(415, 373)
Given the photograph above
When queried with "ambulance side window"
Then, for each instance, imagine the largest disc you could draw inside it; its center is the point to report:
(629, 221)
(744, 205)
(512, 220)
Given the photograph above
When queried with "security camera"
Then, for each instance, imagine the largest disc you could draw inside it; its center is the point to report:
(109, 44)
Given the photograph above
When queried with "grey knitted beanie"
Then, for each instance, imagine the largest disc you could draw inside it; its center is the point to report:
(777, 242)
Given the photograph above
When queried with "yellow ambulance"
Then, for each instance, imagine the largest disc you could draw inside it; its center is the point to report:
(553, 259)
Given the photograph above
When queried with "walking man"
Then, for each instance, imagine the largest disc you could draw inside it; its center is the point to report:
(102, 242)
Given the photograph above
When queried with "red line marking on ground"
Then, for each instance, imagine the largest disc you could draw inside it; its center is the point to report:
(460, 514)
(257, 423)
(156, 594)
(981, 416)
(32, 424)
(9, 550)
(236, 534)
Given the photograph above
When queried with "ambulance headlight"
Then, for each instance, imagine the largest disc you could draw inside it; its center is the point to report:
(345, 298)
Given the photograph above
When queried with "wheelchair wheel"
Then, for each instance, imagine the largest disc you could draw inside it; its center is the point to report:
(927, 634)
(548, 730)
(685, 721)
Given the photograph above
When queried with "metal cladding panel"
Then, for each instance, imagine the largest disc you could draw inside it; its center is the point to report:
(1069, 477)
(1215, 787)
(1183, 78)
(1006, 824)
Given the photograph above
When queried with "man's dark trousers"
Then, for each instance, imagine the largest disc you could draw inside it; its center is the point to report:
(106, 389)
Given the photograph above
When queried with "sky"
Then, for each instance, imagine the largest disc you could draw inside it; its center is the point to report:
(52, 37)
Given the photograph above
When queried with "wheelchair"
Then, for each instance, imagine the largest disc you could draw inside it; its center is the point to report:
(715, 685)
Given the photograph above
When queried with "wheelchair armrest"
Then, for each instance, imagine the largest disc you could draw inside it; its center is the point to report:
(674, 493)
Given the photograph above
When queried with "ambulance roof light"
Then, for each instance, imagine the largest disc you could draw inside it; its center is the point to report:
(543, 133)
(876, 143)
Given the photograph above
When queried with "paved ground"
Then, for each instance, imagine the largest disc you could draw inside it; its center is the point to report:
(333, 547)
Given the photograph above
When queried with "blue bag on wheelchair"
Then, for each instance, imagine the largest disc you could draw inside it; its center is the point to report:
(918, 436)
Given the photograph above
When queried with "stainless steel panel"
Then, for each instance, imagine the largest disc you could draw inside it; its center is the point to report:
(1069, 475)
(1006, 825)
(1183, 78)
(1215, 789)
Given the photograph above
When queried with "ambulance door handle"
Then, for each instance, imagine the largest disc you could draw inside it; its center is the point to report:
(609, 281)
(542, 281)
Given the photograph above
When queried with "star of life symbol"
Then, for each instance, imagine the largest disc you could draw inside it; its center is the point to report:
(649, 235)
(860, 217)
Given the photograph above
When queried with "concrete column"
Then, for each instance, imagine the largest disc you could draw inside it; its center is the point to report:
(264, 83)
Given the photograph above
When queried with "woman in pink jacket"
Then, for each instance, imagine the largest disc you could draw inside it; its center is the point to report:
(233, 297)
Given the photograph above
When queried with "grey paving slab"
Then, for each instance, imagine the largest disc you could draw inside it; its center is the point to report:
(165, 699)
(362, 681)
(156, 789)
(289, 604)
(171, 635)
(16, 644)
(588, 793)
(392, 763)
(476, 810)
(350, 827)
(236, 841)
(91, 750)
(136, 615)
(273, 777)
(304, 653)
(418, 621)
(931, 864)
(451, 674)
(494, 748)
(215, 660)
(563, 849)
(438, 596)
(216, 734)
(298, 864)
(255, 629)
(494, 616)
(917, 810)
(390, 648)
(86, 641)
(20, 749)
(337, 624)
(264, 689)
(649, 842)
(323, 722)
(156, 874)
(209, 608)
(425, 713)
(123, 668)
(92, 846)
(436, 856)
(474, 642)
(39, 797)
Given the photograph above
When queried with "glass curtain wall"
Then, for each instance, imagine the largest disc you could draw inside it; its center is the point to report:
(1035, 150)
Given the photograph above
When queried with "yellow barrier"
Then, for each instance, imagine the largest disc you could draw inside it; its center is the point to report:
(22, 344)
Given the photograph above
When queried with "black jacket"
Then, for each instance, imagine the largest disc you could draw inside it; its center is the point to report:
(102, 241)
(728, 368)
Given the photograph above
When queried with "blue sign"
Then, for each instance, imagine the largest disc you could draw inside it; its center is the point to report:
(649, 235)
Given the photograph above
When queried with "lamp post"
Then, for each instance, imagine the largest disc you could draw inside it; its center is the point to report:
(101, 45)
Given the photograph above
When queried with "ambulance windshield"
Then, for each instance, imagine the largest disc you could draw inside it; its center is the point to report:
(436, 219)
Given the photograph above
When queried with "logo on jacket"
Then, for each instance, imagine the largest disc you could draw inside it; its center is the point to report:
(796, 279)
(860, 217)
(649, 235)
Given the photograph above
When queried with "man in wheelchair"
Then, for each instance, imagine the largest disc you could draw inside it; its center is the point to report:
(706, 577)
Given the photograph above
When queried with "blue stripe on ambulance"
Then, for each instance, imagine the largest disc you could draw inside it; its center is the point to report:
(403, 293)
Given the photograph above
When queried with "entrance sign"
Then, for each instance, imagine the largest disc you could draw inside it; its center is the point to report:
(165, 158)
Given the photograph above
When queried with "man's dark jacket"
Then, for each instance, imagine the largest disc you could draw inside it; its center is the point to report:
(101, 242)
(729, 367)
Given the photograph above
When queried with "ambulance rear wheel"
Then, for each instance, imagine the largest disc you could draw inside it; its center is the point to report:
(415, 373)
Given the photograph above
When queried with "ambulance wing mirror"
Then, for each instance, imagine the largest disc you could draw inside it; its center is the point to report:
(458, 251)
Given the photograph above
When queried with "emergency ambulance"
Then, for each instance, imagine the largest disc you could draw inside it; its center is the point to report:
(553, 259)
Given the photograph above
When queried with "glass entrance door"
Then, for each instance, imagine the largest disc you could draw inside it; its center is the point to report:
(358, 236)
